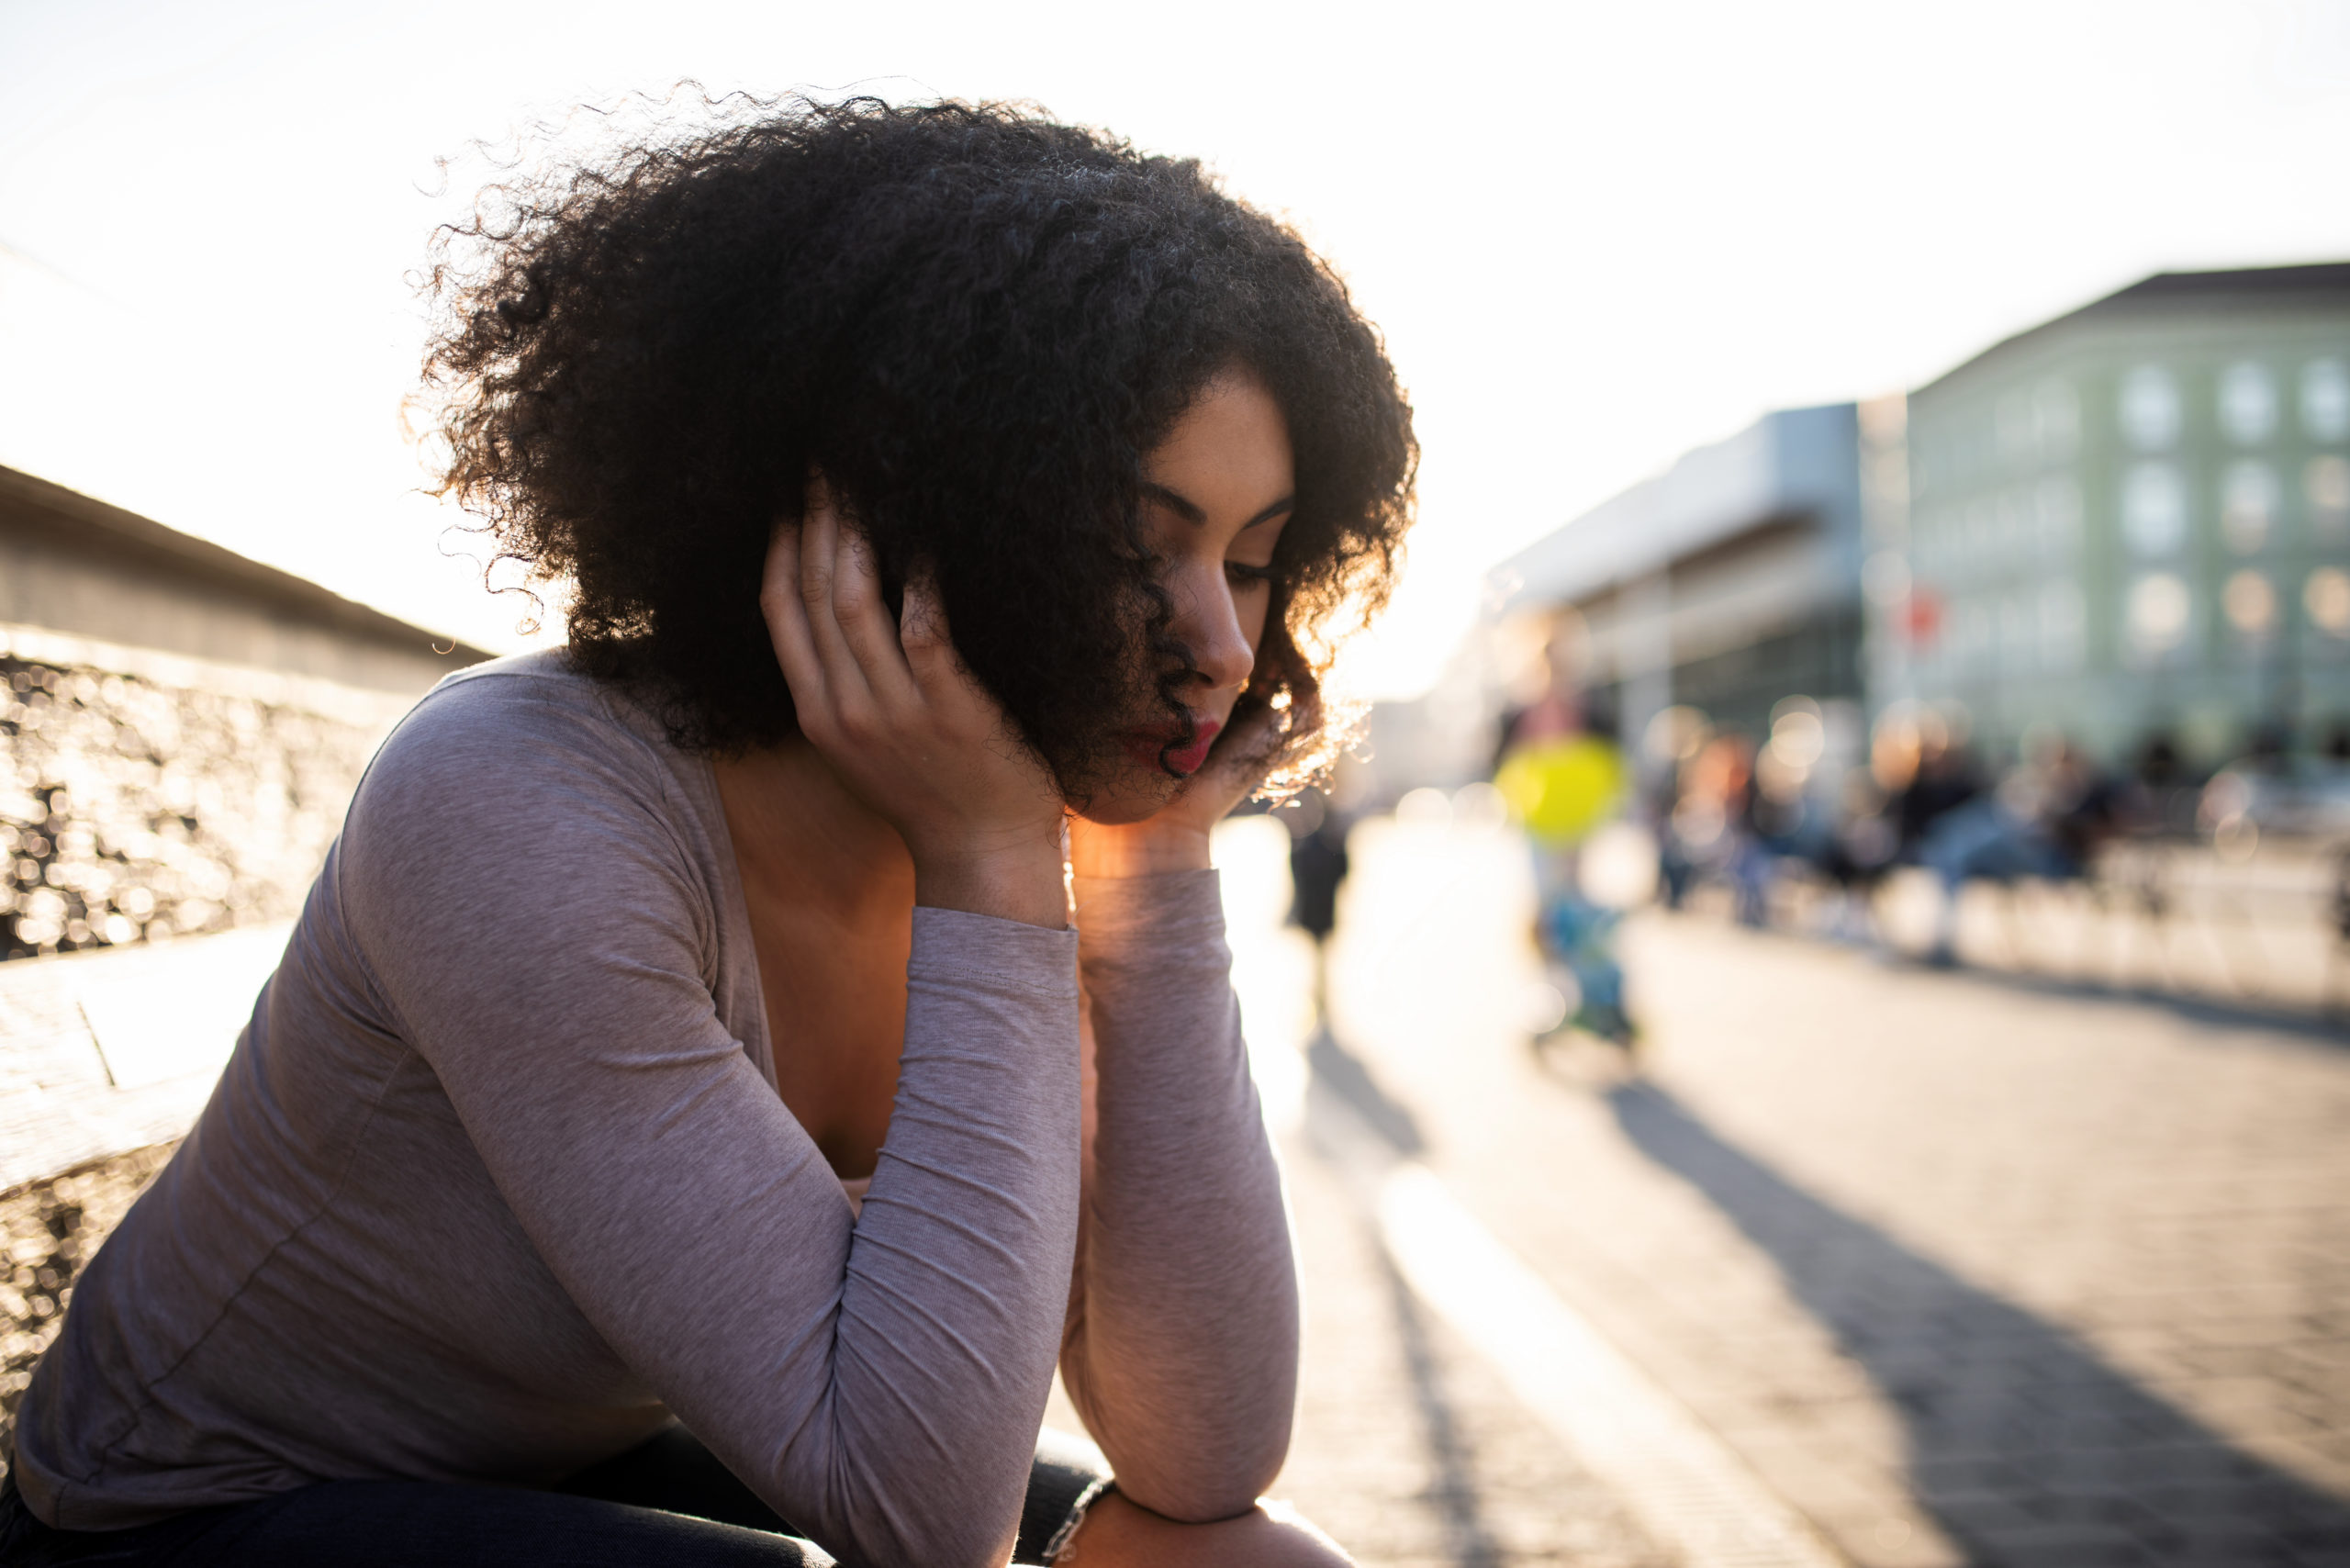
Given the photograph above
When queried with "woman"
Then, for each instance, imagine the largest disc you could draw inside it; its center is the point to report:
(674, 1133)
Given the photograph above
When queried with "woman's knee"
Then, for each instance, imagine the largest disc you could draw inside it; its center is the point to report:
(1120, 1533)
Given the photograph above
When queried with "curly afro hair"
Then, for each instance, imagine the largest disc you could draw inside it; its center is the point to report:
(974, 322)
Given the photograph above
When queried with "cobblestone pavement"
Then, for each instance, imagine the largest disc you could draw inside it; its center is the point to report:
(1968, 1271)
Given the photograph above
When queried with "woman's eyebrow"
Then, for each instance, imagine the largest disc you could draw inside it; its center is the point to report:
(1189, 511)
(1174, 501)
(1271, 512)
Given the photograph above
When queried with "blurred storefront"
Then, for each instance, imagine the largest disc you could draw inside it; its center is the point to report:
(2130, 525)
(1723, 585)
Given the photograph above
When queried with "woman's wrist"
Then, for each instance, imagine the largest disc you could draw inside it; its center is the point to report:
(1021, 882)
(1148, 850)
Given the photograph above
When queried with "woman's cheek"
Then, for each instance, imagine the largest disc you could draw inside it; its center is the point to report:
(1254, 607)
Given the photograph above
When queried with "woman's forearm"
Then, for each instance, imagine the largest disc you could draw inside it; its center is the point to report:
(1183, 1351)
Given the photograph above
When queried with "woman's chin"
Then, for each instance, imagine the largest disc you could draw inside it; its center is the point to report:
(1122, 802)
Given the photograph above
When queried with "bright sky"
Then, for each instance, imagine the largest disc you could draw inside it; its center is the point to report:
(1596, 234)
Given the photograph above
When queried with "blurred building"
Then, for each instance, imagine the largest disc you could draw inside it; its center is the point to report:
(1728, 583)
(2132, 521)
(1442, 738)
(180, 727)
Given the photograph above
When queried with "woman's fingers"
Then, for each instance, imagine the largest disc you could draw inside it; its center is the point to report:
(819, 531)
(938, 670)
(922, 626)
(787, 617)
(1245, 752)
(946, 684)
(866, 627)
(950, 692)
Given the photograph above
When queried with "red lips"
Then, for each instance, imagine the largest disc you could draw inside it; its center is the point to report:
(1148, 748)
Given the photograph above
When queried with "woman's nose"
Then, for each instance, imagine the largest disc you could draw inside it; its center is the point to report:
(1207, 622)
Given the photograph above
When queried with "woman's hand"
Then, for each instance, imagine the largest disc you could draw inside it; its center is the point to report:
(892, 710)
(1176, 838)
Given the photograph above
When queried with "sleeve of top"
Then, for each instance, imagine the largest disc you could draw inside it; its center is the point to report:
(1181, 1344)
(517, 884)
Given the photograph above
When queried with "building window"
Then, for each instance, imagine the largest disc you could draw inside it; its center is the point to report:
(2326, 485)
(2014, 427)
(2154, 510)
(2326, 597)
(2158, 614)
(2249, 602)
(2247, 403)
(2150, 409)
(2011, 524)
(2018, 647)
(2248, 497)
(1885, 577)
(2057, 414)
(2057, 500)
(2063, 619)
(1973, 643)
(2325, 399)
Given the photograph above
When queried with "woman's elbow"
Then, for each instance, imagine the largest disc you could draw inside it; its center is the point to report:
(1205, 1493)
(902, 1517)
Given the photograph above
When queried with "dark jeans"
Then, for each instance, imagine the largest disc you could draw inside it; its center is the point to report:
(668, 1504)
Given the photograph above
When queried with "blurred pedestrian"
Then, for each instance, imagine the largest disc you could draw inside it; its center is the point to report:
(1940, 778)
(1712, 828)
(1318, 868)
(2171, 790)
(1858, 855)
(2044, 821)
(1563, 775)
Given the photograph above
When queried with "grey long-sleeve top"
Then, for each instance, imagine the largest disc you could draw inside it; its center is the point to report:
(497, 1181)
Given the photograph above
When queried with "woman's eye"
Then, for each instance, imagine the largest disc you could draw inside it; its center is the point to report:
(1243, 575)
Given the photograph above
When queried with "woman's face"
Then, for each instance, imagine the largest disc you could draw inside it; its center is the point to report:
(1216, 494)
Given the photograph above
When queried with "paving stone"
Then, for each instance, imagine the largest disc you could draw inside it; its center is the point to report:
(2060, 1548)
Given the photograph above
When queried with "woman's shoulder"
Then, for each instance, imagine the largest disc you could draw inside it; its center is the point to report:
(545, 680)
(531, 702)
(520, 731)
(527, 775)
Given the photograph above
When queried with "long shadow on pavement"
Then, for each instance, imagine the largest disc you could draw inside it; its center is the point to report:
(1340, 1074)
(1455, 1493)
(1344, 1074)
(2026, 1444)
(2220, 1012)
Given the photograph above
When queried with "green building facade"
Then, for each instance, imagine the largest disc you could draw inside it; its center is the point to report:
(2130, 522)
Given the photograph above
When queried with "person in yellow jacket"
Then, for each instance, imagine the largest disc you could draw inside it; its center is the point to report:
(1561, 790)
(1564, 775)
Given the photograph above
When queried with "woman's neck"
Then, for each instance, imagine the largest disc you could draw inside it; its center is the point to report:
(798, 833)
(829, 887)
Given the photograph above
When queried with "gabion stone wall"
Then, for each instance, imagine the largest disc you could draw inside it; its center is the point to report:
(51, 1230)
(131, 811)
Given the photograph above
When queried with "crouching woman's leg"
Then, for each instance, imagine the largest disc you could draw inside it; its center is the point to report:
(1120, 1533)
